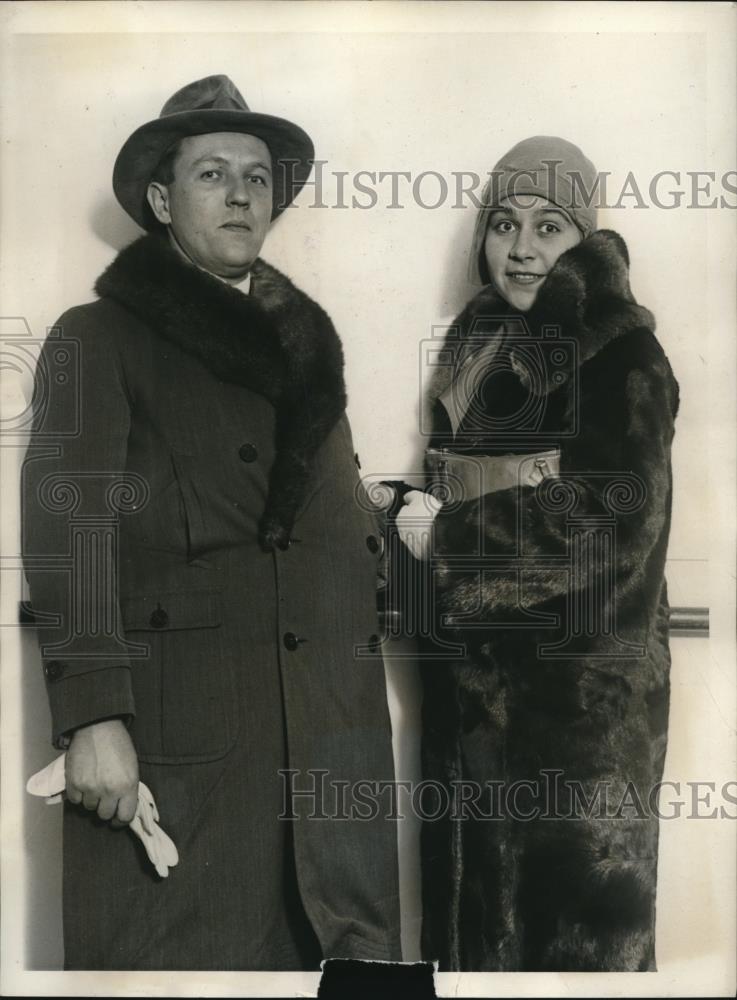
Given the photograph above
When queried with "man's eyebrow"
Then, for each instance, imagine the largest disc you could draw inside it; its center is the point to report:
(207, 158)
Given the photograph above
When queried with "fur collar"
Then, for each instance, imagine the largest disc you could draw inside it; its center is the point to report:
(586, 296)
(275, 341)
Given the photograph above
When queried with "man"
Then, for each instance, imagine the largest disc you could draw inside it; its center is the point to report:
(212, 574)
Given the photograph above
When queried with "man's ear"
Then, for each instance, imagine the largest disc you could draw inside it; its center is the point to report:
(158, 198)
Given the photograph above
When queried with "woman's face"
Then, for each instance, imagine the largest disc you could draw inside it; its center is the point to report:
(524, 238)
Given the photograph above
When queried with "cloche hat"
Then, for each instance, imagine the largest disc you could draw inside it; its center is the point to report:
(543, 165)
(213, 104)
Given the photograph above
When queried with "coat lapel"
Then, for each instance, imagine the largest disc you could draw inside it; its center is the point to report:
(586, 297)
(276, 342)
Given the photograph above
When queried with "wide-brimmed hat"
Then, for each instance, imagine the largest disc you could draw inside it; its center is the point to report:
(213, 104)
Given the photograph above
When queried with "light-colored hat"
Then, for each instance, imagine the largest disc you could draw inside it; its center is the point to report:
(546, 166)
(213, 104)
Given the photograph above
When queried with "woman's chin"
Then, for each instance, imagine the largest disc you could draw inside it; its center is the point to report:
(520, 302)
(518, 298)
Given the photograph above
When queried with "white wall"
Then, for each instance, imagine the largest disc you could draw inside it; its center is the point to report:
(447, 91)
(375, 102)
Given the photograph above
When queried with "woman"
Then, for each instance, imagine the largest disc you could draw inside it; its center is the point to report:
(550, 483)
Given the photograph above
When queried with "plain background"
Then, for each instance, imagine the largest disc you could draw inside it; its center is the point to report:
(403, 87)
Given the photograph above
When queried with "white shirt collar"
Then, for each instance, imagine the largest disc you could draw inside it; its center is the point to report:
(244, 285)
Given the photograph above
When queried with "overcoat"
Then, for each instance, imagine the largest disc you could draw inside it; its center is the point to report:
(547, 727)
(193, 517)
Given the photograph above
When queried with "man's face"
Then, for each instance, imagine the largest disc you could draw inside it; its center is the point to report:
(219, 204)
(525, 237)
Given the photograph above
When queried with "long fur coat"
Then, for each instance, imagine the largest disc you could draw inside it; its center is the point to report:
(548, 729)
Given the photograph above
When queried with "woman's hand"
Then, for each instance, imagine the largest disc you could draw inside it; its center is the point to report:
(415, 521)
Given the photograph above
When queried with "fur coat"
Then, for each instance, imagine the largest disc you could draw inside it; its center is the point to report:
(547, 725)
(194, 476)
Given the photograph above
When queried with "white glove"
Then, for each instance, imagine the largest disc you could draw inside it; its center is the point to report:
(415, 522)
(49, 783)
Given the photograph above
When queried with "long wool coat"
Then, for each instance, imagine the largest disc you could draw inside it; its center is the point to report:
(204, 452)
(557, 594)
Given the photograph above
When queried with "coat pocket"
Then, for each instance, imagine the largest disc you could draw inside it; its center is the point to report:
(184, 689)
(220, 509)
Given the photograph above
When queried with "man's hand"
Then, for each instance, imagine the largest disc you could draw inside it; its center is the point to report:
(102, 771)
(415, 520)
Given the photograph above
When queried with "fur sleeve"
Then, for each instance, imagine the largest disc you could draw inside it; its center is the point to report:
(515, 548)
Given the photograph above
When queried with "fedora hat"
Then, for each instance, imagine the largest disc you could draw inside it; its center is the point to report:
(213, 104)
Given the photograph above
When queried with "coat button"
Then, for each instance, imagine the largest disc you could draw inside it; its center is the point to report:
(248, 452)
(159, 618)
(373, 544)
(292, 641)
(54, 670)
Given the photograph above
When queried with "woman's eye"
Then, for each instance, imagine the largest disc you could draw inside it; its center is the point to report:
(549, 227)
(257, 179)
(209, 174)
(504, 227)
